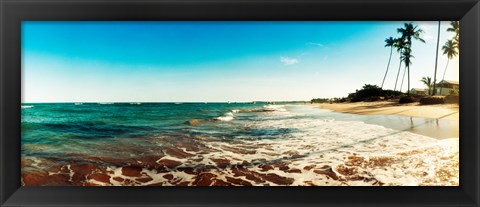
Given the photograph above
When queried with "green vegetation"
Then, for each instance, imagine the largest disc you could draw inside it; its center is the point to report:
(428, 82)
(432, 100)
(455, 28)
(372, 93)
(330, 100)
(403, 45)
(320, 100)
(407, 99)
(409, 32)
(390, 42)
(451, 46)
(400, 45)
(450, 49)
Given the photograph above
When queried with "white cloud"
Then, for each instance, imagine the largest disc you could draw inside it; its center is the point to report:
(288, 61)
(316, 44)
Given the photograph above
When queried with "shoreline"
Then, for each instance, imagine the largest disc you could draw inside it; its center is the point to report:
(436, 121)
(440, 111)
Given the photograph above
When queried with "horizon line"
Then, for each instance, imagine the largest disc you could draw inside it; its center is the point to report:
(107, 102)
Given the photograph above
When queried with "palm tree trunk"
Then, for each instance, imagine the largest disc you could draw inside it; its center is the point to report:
(401, 85)
(443, 77)
(408, 88)
(436, 60)
(388, 65)
(398, 73)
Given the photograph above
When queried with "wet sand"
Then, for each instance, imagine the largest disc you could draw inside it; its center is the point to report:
(437, 121)
(441, 111)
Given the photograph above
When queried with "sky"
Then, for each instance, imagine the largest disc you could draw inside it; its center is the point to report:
(75, 61)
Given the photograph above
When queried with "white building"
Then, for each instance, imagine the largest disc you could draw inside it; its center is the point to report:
(446, 87)
(418, 91)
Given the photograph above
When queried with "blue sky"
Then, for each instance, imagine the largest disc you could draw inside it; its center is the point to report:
(214, 61)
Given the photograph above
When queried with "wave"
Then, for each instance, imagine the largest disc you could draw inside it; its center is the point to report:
(27, 107)
(204, 161)
(271, 107)
(266, 108)
(227, 117)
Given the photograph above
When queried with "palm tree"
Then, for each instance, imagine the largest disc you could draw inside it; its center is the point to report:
(436, 60)
(408, 32)
(400, 45)
(403, 77)
(407, 59)
(389, 43)
(455, 28)
(450, 50)
(428, 82)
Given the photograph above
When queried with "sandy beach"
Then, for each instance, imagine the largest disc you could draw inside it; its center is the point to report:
(442, 111)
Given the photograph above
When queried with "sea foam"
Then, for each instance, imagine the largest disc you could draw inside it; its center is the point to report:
(308, 150)
(226, 117)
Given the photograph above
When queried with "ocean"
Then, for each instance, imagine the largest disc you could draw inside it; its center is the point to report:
(202, 144)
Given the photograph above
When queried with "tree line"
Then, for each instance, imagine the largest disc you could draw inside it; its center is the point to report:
(403, 45)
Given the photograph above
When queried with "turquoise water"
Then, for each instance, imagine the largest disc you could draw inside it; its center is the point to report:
(201, 136)
(63, 129)
(67, 128)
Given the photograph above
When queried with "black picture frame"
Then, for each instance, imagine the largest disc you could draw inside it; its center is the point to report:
(12, 12)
